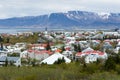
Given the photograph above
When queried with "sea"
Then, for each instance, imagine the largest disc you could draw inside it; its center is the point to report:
(16, 30)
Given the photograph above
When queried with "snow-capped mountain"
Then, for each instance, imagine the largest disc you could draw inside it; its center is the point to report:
(104, 15)
(82, 19)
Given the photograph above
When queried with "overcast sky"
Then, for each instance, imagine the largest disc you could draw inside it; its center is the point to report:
(18, 8)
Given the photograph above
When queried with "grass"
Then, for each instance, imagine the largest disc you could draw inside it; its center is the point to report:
(70, 71)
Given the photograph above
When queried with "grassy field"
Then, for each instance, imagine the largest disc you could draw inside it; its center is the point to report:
(72, 71)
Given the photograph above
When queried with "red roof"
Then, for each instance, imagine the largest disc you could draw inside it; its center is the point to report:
(98, 40)
(90, 52)
(68, 48)
(39, 45)
(118, 40)
(40, 52)
(79, 53)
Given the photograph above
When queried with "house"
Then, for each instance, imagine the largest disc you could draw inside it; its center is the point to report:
(15, 60)
(39, 55)
(22, 45)
(88, 49)
(84, 44)
(54, 48)
(107, 45)
(81, 54)
(116, 50)
(68, 54)
(69, 47)
(91, 56)
(111, 33)
(95, 42)
(79, 36)
(70, 40)
(3, 52)
(15, 48)
(51, 59)
(37, 46)
(40, 40)
(98, 36)
(24, 54)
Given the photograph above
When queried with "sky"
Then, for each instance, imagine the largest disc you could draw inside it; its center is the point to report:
(19, 8)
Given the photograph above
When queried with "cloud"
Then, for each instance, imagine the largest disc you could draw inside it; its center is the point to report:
(17, 8)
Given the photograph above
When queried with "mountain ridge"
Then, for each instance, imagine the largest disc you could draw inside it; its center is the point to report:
(69, 19)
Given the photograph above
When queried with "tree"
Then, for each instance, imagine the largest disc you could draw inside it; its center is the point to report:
(75, 47)
(60, 61)
(79, 48)
(1, 39)
(11, 63)
(1, 46)
(6, 62)
(110, 64)
(14, 54)
(34, 63)
(63, 49)
(117, 58)
(8, 40)
(48, 46)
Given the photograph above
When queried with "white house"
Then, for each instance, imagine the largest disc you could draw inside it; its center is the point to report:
(24, 54)
(3, 53)
(70, 40)
(91, 56)
(117, 48)
(88, 49)
(15, 60)
(84, 44)
(68, 54)
(51, 59)
(38, 55)
(111, 33)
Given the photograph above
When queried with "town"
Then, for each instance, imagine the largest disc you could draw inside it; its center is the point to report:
(46, 47)
(78, 53)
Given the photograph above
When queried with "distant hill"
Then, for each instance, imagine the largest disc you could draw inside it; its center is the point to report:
(78, 19)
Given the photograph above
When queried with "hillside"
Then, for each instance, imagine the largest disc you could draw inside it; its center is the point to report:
(80, 19)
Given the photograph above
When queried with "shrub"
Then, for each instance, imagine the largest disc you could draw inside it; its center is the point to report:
(110, 64)
(59, 61)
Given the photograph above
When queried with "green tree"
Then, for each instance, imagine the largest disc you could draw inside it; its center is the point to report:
(6, 62)
(14, 54)
(79, 48)
(75, 47)
(11, 63)
(48, 46)
(33, 63)
(60, 61)
(8, 40)
(2, 46)
(63, 49)
(110, 64)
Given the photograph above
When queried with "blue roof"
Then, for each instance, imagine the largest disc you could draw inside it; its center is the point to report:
(3, 58)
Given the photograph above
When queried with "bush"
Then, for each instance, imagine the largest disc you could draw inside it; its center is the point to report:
(59, 61)
(110, 64)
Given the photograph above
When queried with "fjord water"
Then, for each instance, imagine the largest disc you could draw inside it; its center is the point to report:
(16, 30)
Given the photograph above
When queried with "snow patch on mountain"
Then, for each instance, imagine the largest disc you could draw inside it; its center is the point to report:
(104, 15)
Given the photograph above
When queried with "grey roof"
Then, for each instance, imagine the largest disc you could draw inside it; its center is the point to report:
(3, 58)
